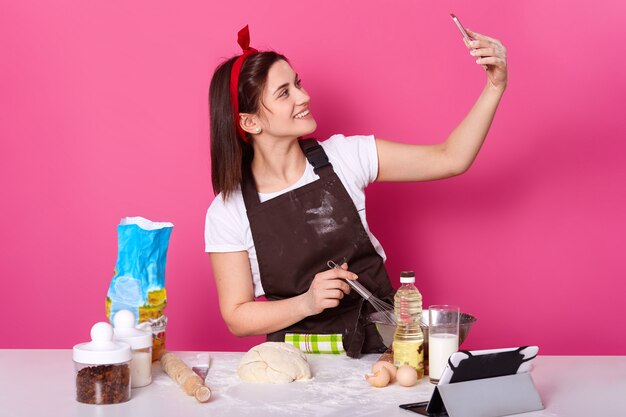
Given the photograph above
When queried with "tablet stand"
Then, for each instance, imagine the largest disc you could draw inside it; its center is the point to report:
(488, 397)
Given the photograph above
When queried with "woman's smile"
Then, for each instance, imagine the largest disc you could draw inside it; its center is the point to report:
(306, 114)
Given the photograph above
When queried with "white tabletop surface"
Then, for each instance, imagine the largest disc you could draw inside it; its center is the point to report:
(41, 383)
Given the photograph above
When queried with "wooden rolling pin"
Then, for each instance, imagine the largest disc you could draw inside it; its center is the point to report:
(185, 377)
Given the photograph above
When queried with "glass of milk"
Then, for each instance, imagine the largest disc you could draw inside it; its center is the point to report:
(443, 337)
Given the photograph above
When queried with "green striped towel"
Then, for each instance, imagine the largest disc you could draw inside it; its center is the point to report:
(317, 343)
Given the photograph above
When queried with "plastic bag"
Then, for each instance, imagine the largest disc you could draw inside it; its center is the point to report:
(138, 282)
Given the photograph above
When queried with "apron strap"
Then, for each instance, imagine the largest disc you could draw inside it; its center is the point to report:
(248, 187)
(316, 157)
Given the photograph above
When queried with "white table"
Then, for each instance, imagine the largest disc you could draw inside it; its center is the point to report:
(41, 383)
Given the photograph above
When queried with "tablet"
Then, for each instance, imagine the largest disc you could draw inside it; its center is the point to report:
(478, 364)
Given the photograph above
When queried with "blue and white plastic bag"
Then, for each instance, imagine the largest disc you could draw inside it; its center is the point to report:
(138, 282)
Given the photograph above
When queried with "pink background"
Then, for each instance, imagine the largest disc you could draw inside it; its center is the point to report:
(104, 114)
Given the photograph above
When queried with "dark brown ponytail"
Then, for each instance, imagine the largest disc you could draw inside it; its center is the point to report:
(228, 150)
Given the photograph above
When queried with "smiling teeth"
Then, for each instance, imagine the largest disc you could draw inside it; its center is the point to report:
(301, 115)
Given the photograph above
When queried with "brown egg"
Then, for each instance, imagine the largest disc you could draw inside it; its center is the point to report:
(379, 379)
(406, 376)
(387, 365)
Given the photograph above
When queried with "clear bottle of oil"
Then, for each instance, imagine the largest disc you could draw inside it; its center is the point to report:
(408, 340)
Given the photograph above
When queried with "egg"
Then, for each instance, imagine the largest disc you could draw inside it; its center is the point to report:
(406, 376)
(380, 378)
(387, 365)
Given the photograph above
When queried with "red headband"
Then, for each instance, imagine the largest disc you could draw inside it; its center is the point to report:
(243, 38)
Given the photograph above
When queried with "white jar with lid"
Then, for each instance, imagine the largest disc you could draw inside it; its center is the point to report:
(102, 368)
(141, 345)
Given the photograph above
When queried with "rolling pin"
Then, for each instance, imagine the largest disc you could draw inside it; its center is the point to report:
(185, 377)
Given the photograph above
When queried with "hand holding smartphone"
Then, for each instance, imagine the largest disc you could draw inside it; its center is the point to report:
(461, 28)
(466, 35)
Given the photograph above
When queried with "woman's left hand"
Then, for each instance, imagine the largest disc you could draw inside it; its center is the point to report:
(492, 54)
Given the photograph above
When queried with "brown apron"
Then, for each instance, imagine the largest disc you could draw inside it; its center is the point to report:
(297, 232)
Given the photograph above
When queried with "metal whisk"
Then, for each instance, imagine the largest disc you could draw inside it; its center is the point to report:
(386, 309)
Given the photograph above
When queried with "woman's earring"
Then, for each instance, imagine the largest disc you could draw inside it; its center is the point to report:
(258, 130)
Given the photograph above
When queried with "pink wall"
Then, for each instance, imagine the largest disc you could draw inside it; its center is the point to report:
(104, 115)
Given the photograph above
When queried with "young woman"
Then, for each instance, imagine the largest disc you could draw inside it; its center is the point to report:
(285, 205)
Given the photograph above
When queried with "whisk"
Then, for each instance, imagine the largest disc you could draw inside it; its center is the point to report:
(387, 314)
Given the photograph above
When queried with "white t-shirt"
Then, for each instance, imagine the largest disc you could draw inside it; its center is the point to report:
(354, 160)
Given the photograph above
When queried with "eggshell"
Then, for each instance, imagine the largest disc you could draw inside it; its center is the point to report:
(387, 365)
(406, 376)
(379, 379)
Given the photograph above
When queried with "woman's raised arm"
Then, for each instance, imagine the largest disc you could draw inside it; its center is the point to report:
(405, 162)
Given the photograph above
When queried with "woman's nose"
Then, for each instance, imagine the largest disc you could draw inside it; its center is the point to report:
(303, 97)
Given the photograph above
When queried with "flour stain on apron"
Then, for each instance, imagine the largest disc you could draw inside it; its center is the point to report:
(321, 219)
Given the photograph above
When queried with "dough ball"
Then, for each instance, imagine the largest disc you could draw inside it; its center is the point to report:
(275, 363)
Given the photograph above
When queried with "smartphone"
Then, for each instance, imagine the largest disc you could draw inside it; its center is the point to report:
(461, 28)
(466, 35)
